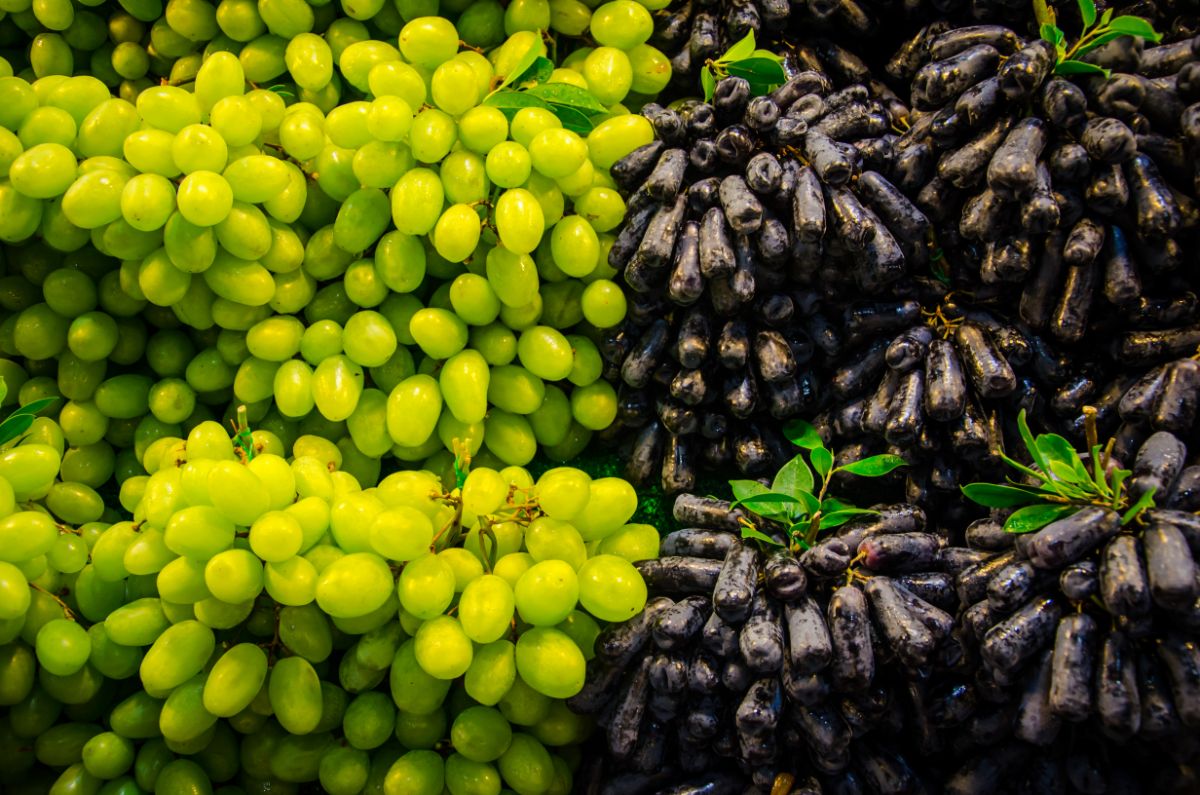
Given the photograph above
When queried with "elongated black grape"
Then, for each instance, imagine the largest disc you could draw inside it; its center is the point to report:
(945, 382)
(696, 542)
(679, 623)
(1180, 658)
(904, 634)
(1124, 585)
(784, 576)
(1072, 668)
(625, 724)
(853, 664)
(1015, 639)
(734, 589)
(1117, 701)
(900, 552)
(1067, 540)
(680, 575)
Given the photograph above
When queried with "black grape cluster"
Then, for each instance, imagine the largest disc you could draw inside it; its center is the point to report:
(895, 654)
(737, 205)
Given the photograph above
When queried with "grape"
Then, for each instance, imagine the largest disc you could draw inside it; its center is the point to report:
(295, 695)
(428, 42)
(519, 219)
(176, 655)
(235, 680)
(610, 588)
(550, 662)
(546, 593)
(426, 586)
(486, 608)
(417, 772)
(526, 765)
(354, 585)
(63, 647)
(442, 648)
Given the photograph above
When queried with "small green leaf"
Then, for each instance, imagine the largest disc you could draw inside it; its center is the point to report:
(572, 119)
(510, 101)
(1144, 502)
(709, 83)
(1035, 517)
(1080, 68)
(1106, 16)
(1065, 464)
(1087, 11)
(770, 56)
(1134, 26)
(33, 406)
(537, 49)
(538, 72)
(761, 71)
(750, 532)
(994, 495)
(767, 500)
(874, 466)
(1117, 483)
(569, 96)
(14, 426)
(803, 434)
(746, 488)
(809, 502)
(793, 477)
(1030, 443)
(839, 518)
(822, 461)
(1043, 13)
(831, 504)
(743, 49)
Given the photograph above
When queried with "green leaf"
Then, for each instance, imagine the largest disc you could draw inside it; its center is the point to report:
(761, 71)
(569, 96)
(14, 426)
(809, 502)
(1144, 502)
(750, 532)
(1065, 464)
(3, 389)
(1043, 13)
(1087, 11)
(1117, 483)
(708, 82)
(743, 49)
(822, 461)
(1035, 517)
(1106, 16)
(538, 72)
(793, 477)
(572, 119)
(1030, 443)
(1134, 26)
(874, 466)
(33, 406)
(537, 49)
(746, 488)
(766, 500)
(803, 434)
(510, 101)
(1080, 67)
(994, 495)
(839, 518)
(831, 504)
(770, 56)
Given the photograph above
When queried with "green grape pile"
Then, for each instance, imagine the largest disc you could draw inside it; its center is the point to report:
(261, 622)
(372, 226)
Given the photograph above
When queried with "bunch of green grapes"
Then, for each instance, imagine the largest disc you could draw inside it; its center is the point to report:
(265, 621)
(365, 252)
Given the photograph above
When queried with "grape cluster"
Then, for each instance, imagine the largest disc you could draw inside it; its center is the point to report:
(319, 629)
(365, 252)
(896, 655)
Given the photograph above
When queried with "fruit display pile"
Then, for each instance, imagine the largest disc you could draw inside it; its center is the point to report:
(346, 348)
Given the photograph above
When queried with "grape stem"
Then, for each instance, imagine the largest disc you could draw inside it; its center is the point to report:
(67, 611)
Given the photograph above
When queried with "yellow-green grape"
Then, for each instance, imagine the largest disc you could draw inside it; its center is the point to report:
(412, 410)
(495, 342)
(633, 542)
(306, 631)
(481, 734)
(553, 539)
(417, 772)
(417, 201)
(26, 535)
(492, 672)
(464, 381)
(369, 720)
(43, 171)
(483, 492)
(204, 198)
(309, 61)
(594, 406)
(234, 576)
(481, 129)
(439, 332)
(610, 588)
(526, 766)
(547, 592)
(397, 79)
(583, 630)
(519, 220)
(513, 276)
(275, 536)
(454, 88)
(457, 232)
(344, 771)
(611, 504)
(442, 648)
(177, 655)
(292, 582)
(235, 680)
(550, 662)
(354, 585)
(614, 138)
(474, 300)
(426, 586)
(486, 608)
(557, 153)
(428, 42)
(623, 24)
(294, 690)
(401, 533)
(575, 246)
(651, 69)
(63, 647)
(464, 177)
(432, 135)
(464, 776)
(510, 438)
(603, 303)
(569, 17)
(545, 352)
(389, 118)
(237, 492)
(413, 690)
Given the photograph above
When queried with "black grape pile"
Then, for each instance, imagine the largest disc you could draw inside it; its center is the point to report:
(897, 655)
(912, 248)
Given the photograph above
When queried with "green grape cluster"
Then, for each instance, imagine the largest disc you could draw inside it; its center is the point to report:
(312, 210)
(260, 621)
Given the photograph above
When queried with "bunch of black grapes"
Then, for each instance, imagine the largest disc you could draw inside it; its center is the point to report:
(735, 213)
(897, 655)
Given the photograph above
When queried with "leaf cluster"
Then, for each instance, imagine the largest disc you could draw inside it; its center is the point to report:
(763, 69)
(16, 424)
(526, 86)
(1062, 484)
(1094, 34)
(796, 499)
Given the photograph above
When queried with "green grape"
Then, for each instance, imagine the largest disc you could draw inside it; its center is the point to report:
(575, 246)
(513, 277)
(344, 771)
(610, 588)
(474, 300)
(337, 384)
(43, 171)
(457, 232)
(594, 406)
(395, 78)
(492, 672)
(413, 408)
(614, 138)
(464, 177)
(432, 135)
(359, 58)
(168, 108)
(550, 662)
(235, 680)
(515, 389)
(651, 69)
(510, 438)
(545, 352)
(557, 153)
(413, 690)
(286, 18)
(183, 716)
(481, 734)
(482, 128)
(389, 118)
(526, 766)
(321, 340)
(442, 649)
(234, 575)
(428, 42)
(486, 609)
(368, 424)
(25, 535)
(465, 777)
(416, 773)
(136, 717)
(603, 304)
(108, 755)
(546, 593)
(421, 731)
(610, 506)
(306, 631)
(204, 198)
(417, 201)
(237, 492)
(177, 655)
(354, 585)
(463, 382)
(569, 17)
(181, 582)
(551, 420)
(528, 122)
(276, 536)
(583, 630)
(47, 125)
(623, 24)
(466, 566)
(454, 88)
(309, 61)
(427, 586)
(553, 539)
(239, 19)
(508, 164)
(438, 332)
(199, 147)
(609, 75)
(63, 647)
(633, 542)
(294, 690)
(256, 178)
(526, 15)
